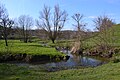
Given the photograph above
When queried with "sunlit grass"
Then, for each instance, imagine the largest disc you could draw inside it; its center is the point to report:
(16, 46)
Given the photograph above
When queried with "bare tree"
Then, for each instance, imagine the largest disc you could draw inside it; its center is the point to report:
(25, 22)
(80, 32)
(5, 23)
(79, 25)
(52, 24)
(104, 25)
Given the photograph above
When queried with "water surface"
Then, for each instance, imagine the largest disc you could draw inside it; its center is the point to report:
(74, 61)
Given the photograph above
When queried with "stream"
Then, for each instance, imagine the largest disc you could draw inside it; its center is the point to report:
(74, 62)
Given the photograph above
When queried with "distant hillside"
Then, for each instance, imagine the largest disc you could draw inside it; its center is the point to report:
(116, 35)
(112, 37)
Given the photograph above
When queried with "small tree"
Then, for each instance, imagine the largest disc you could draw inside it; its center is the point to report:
(52, 24)
(80, 31)
(104, 25)
(25, 23)
(5, 23)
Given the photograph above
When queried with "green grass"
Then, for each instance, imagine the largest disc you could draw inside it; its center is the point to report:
(113, 38)
(15, 47)
(62, 43)
(110, 71)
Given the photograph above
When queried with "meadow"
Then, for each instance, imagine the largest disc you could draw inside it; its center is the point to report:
(35, 48)
(109, 71)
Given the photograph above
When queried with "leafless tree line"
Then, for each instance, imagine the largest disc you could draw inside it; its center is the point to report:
(104, 39)
(52, 23)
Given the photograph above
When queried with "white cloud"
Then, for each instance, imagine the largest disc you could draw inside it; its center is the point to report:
(92, 17)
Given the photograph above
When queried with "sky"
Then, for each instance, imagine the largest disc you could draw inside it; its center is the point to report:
(91, 9)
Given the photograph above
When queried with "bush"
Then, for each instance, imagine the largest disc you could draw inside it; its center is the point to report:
(116, 59)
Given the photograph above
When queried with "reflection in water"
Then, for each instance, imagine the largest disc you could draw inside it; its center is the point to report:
(74, 61)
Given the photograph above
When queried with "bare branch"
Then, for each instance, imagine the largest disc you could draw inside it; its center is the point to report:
(25, 23)
(104, 25)
(5, 23)
(52, 23)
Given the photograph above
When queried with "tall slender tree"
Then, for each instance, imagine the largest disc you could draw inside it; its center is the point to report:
(80, 32)
(5, 23)
(79, 25)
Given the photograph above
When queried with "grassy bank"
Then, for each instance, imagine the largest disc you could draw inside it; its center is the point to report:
(16, 47)
(108, 71)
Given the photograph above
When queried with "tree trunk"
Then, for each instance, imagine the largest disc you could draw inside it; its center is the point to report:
(24, 35)
(6, 43)
(25, 40)
(5, 34)
(53, 40)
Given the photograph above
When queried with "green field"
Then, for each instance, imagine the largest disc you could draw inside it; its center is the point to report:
(110, 71)
(35, 48)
